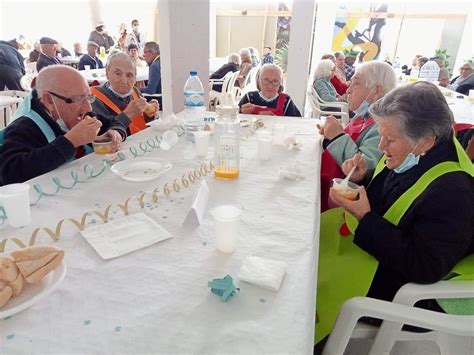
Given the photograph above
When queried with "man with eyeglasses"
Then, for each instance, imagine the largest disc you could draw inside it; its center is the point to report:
(269, 99)
(465, 81)
(152, 57)
(52, 126)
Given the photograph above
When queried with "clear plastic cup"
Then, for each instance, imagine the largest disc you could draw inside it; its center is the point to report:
(169, 139)
(201, 142)
(103, 146)
(279, 133)
(227, 221)
(87, 68)
(349, 191)
(15, 199)
(265, 142)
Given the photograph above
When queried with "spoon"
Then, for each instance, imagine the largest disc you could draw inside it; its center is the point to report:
(345, 181)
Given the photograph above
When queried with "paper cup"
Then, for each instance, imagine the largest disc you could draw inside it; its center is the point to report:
(350, 191)
(201, 141)
(279, 133)
(15, 200)
(265, 142)
(169, 139)
(227, 221)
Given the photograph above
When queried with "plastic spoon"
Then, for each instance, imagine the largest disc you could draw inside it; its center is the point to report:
(345, 182)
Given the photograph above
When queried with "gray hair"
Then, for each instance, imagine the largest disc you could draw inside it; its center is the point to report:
(119, 56)
(234, 58)
(244, 52)
(338, 54)
(153, 47)
(377, 73)
(421, 110)
(267, 67)
(324, 69)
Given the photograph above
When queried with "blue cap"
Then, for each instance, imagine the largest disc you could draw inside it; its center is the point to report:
(193, 73)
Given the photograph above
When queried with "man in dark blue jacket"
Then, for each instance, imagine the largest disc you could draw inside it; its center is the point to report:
(90, 58)
(11, 67)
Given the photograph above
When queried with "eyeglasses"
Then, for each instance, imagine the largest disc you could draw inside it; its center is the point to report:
(274, 82)
(68, 100)
(147, 51)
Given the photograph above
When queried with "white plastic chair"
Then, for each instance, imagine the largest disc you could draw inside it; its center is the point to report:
(26, 80)
(250, 83)
(317, 110)
(336, 104)
(401, 311)
(8, 109)
(30, 68)
(215, 97)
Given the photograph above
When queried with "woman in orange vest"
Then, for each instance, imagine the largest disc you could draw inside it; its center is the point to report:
(118, 99)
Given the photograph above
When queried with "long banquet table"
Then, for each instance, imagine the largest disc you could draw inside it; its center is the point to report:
(156, 300)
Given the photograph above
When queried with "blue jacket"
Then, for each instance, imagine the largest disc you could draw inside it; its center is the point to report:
(86, 59)
(154, 78)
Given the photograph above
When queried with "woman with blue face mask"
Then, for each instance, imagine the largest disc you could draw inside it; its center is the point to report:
(371, 81)
(415, 221)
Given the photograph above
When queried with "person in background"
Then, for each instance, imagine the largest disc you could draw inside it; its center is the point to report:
(267, 56)
(151, 53)
(77, 50)
(340, 74)
(414, 64)
(53, 126)
(12, 67)
(422, 61)
(269, 99)
(136, 37)
(464, 81)
(322, 81)
(34, 54)
(245, 66)
(61, 51)
(349, 68)
(414, 216)
(48, 53)
(443, 76)
(254, 57)
(371, 81)
(338, 85)
(123, 36)
(90, 58)
(118, 99)
(133, 52)
(101, 37)
(232, 66)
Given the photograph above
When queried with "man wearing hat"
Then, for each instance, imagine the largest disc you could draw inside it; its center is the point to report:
(91, 58)
(101, 37)
(48, 53)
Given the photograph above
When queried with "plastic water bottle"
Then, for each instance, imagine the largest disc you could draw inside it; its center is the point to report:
(397, 68)
(193, 105)
(429, 71)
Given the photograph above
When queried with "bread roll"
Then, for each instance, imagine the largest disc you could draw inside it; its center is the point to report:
(6, 293)
(150, 109)
(37, 261)
(8, 270)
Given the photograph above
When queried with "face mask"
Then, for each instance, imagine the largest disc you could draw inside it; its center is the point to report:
(363, 107)
(120, 95)
(410, 161)
(60, 121)
(136, 28)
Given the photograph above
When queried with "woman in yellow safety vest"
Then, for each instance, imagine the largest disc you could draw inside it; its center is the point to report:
(414, 221)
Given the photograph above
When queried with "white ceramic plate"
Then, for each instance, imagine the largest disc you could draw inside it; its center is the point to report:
(141, 169)
(33, 293)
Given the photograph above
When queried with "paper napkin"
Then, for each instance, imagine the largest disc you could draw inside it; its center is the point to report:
(124, 235)
(263, 272)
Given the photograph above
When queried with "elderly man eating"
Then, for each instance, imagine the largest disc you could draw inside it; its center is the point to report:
(52, 126)
(118, 99)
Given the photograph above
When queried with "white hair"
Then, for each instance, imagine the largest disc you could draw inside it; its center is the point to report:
(244, 52)
(377, 73)
(324, 69)
(234, 58)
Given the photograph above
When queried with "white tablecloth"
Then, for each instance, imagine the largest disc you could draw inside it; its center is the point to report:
(156, 300)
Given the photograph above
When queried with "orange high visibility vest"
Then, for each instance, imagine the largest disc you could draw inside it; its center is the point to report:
(138, 122)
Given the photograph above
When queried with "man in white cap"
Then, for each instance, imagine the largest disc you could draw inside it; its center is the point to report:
(91, 58)
(48, 53)
(101, 37)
